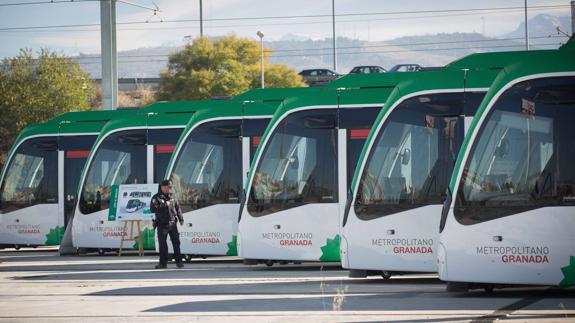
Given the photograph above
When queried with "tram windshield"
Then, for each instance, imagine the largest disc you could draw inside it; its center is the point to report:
(32, 175)
(298, 165)
(208, 169)
(522, 157)
(411, 161)
(120, 159)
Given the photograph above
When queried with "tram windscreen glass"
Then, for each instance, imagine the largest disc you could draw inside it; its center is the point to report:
(208, 169)
(120, 159)
(412, 158)
(298, 165)
(32, 175)
(522, 158)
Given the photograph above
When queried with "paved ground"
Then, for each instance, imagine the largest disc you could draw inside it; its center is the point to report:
(39, 286)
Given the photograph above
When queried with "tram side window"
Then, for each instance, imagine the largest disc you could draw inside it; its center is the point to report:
(162, 155)
(298, 165)
(413, 155)
(208, 169)
(76, 151)
(32, 175)
(523, 157)
(472, 102)
(358, 122)
(254, 129)
(120, 159)
(164, 142)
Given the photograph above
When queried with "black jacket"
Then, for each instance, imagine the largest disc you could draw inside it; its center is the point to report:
(166, 208)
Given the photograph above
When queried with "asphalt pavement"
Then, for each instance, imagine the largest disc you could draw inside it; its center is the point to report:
(37, 285)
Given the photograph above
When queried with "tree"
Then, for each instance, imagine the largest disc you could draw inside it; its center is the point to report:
(33, 90)
(223, 67)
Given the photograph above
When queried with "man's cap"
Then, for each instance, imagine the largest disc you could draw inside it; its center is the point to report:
(166, 182)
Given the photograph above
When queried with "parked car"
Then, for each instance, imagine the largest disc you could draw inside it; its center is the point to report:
(368, 69)
(405, 68)
(319, 76)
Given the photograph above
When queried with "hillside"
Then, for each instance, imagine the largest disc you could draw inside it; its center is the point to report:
(300, 52)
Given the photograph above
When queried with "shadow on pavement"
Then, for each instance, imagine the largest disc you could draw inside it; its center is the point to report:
(391, 301)
(142, 268)
(310, 287)
(520, 318)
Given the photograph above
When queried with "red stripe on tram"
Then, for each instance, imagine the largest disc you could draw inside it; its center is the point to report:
(256, 141)
(165, 149)
(359, 133)
(77, 153)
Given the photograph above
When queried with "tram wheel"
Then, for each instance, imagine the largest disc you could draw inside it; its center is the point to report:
(17, 247)
(386, 275)
(188, 258)
(269, 263)
(101, 252)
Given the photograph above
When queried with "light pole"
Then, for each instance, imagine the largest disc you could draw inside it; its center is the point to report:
(333, 35)
(109, 51)
(201, 21)
(109, 54)
(526, 29)
(261, 36)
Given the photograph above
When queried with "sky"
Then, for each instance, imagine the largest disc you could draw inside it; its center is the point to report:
(372, 20)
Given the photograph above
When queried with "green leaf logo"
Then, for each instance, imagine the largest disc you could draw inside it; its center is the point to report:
(330, 252)
(54, 237)
(147, 239)
(569, 273)
(233, 247)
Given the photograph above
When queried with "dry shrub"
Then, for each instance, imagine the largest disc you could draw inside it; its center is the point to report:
(142, 96)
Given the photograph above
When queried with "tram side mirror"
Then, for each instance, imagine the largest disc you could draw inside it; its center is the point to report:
(294, 162)
(47, 145)
(209, 167)
(122, 171)
(348, 201)
(321, 122)
(503, 148)
(406, 156)
(228, 131)
(133, 139)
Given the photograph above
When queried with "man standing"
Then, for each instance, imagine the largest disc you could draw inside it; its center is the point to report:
(168, 213)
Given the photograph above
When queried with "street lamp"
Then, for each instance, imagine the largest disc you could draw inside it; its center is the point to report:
(261, 36)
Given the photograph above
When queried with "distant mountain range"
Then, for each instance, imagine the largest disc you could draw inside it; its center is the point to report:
(540, 27)
(300, 52)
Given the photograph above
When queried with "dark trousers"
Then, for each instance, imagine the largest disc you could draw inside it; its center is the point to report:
(163, 232)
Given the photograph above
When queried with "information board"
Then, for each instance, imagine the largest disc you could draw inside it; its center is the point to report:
(131, 202)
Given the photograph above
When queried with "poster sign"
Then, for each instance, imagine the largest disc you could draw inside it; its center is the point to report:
(131, 202)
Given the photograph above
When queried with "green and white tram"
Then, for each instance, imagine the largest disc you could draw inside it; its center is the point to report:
(295, 195)
(401, 179)
(40, 178)
(134, 149)
(210, 164)
(512, 216)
